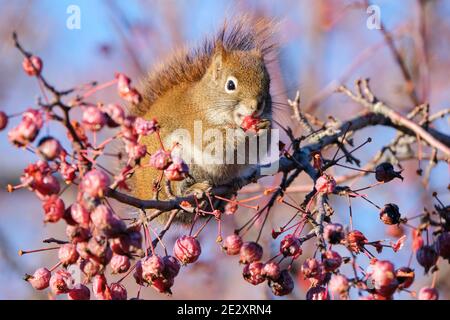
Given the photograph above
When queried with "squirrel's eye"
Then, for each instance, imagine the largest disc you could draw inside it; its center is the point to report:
(231, 84)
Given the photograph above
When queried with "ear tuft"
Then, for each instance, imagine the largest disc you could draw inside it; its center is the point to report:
(217, 59)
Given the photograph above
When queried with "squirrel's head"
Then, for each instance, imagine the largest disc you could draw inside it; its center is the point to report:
(238, 85)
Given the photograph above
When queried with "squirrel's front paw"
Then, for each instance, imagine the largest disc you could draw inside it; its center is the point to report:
(198, 189)
(263, 124)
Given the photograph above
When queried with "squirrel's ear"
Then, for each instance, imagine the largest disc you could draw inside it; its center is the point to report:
(217, 59)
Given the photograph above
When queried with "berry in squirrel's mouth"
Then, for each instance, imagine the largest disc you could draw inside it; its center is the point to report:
(250, 123)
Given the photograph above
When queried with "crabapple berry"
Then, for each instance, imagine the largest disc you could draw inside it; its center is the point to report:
(250, 123)
(356, 240)
(390, 214)
(32, 65)
(54, 208)
(253, 272)
(94, 183)
(382, 273)
(443, 245)
(144, 127)
(100, 288)
(290, 246)
(79, 214)
(40, 279)
(283, 285)
(385, 172)
(428, 293)
(271, 270)
(250, 251)
(405, 277)
(171, 267)
(427, 257)
(79, 292)
(334, 233)
(118, 291)
(313, 269)
(160, 160)
(339, 284)
(107, 222)
(152, 268)
(187, 249)
(120, 263)
(115, 115)
(177, 170)
(232, 244)
(61, 282)
(3, 120)
(68, 254)
(317, 293)
(49, 148)
(331, 260)
(93, 118)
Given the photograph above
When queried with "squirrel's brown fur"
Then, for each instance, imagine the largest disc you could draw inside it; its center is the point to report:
(190, 87)
(189, 65)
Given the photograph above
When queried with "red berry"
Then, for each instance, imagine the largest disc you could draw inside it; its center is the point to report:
(144, 127)
(90, 267)
(290, 246)
(118, 291)
(405, 277)
(79, 292)
(250, 123)
(177, 170)
(187, 249)
(160, 160)
(100, 288)
(317, 293)
(338, 284)
(3, 120)
(171, 267)
(120, 264)
(427, 293)
(99, 248)
(79, 214)
(427, 257)
(272, 270)
(77, 233)
(54, 208)
(382, 273)
(250, 251)
(232, 244)
(331, 260)
(253, 272)
(107, 222)
(152, 268)
(385, 172)
(94, 183)
(49, 148)
(443, 245)
(61, 282)
(163, 285)
(283, 285)
(40, 279)
(356, 240)
(325, 184)
(32, 65)
(313, 270)
(68, 254)
(334, 233)
(390, 214)
(114, 113)
(93, 118)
